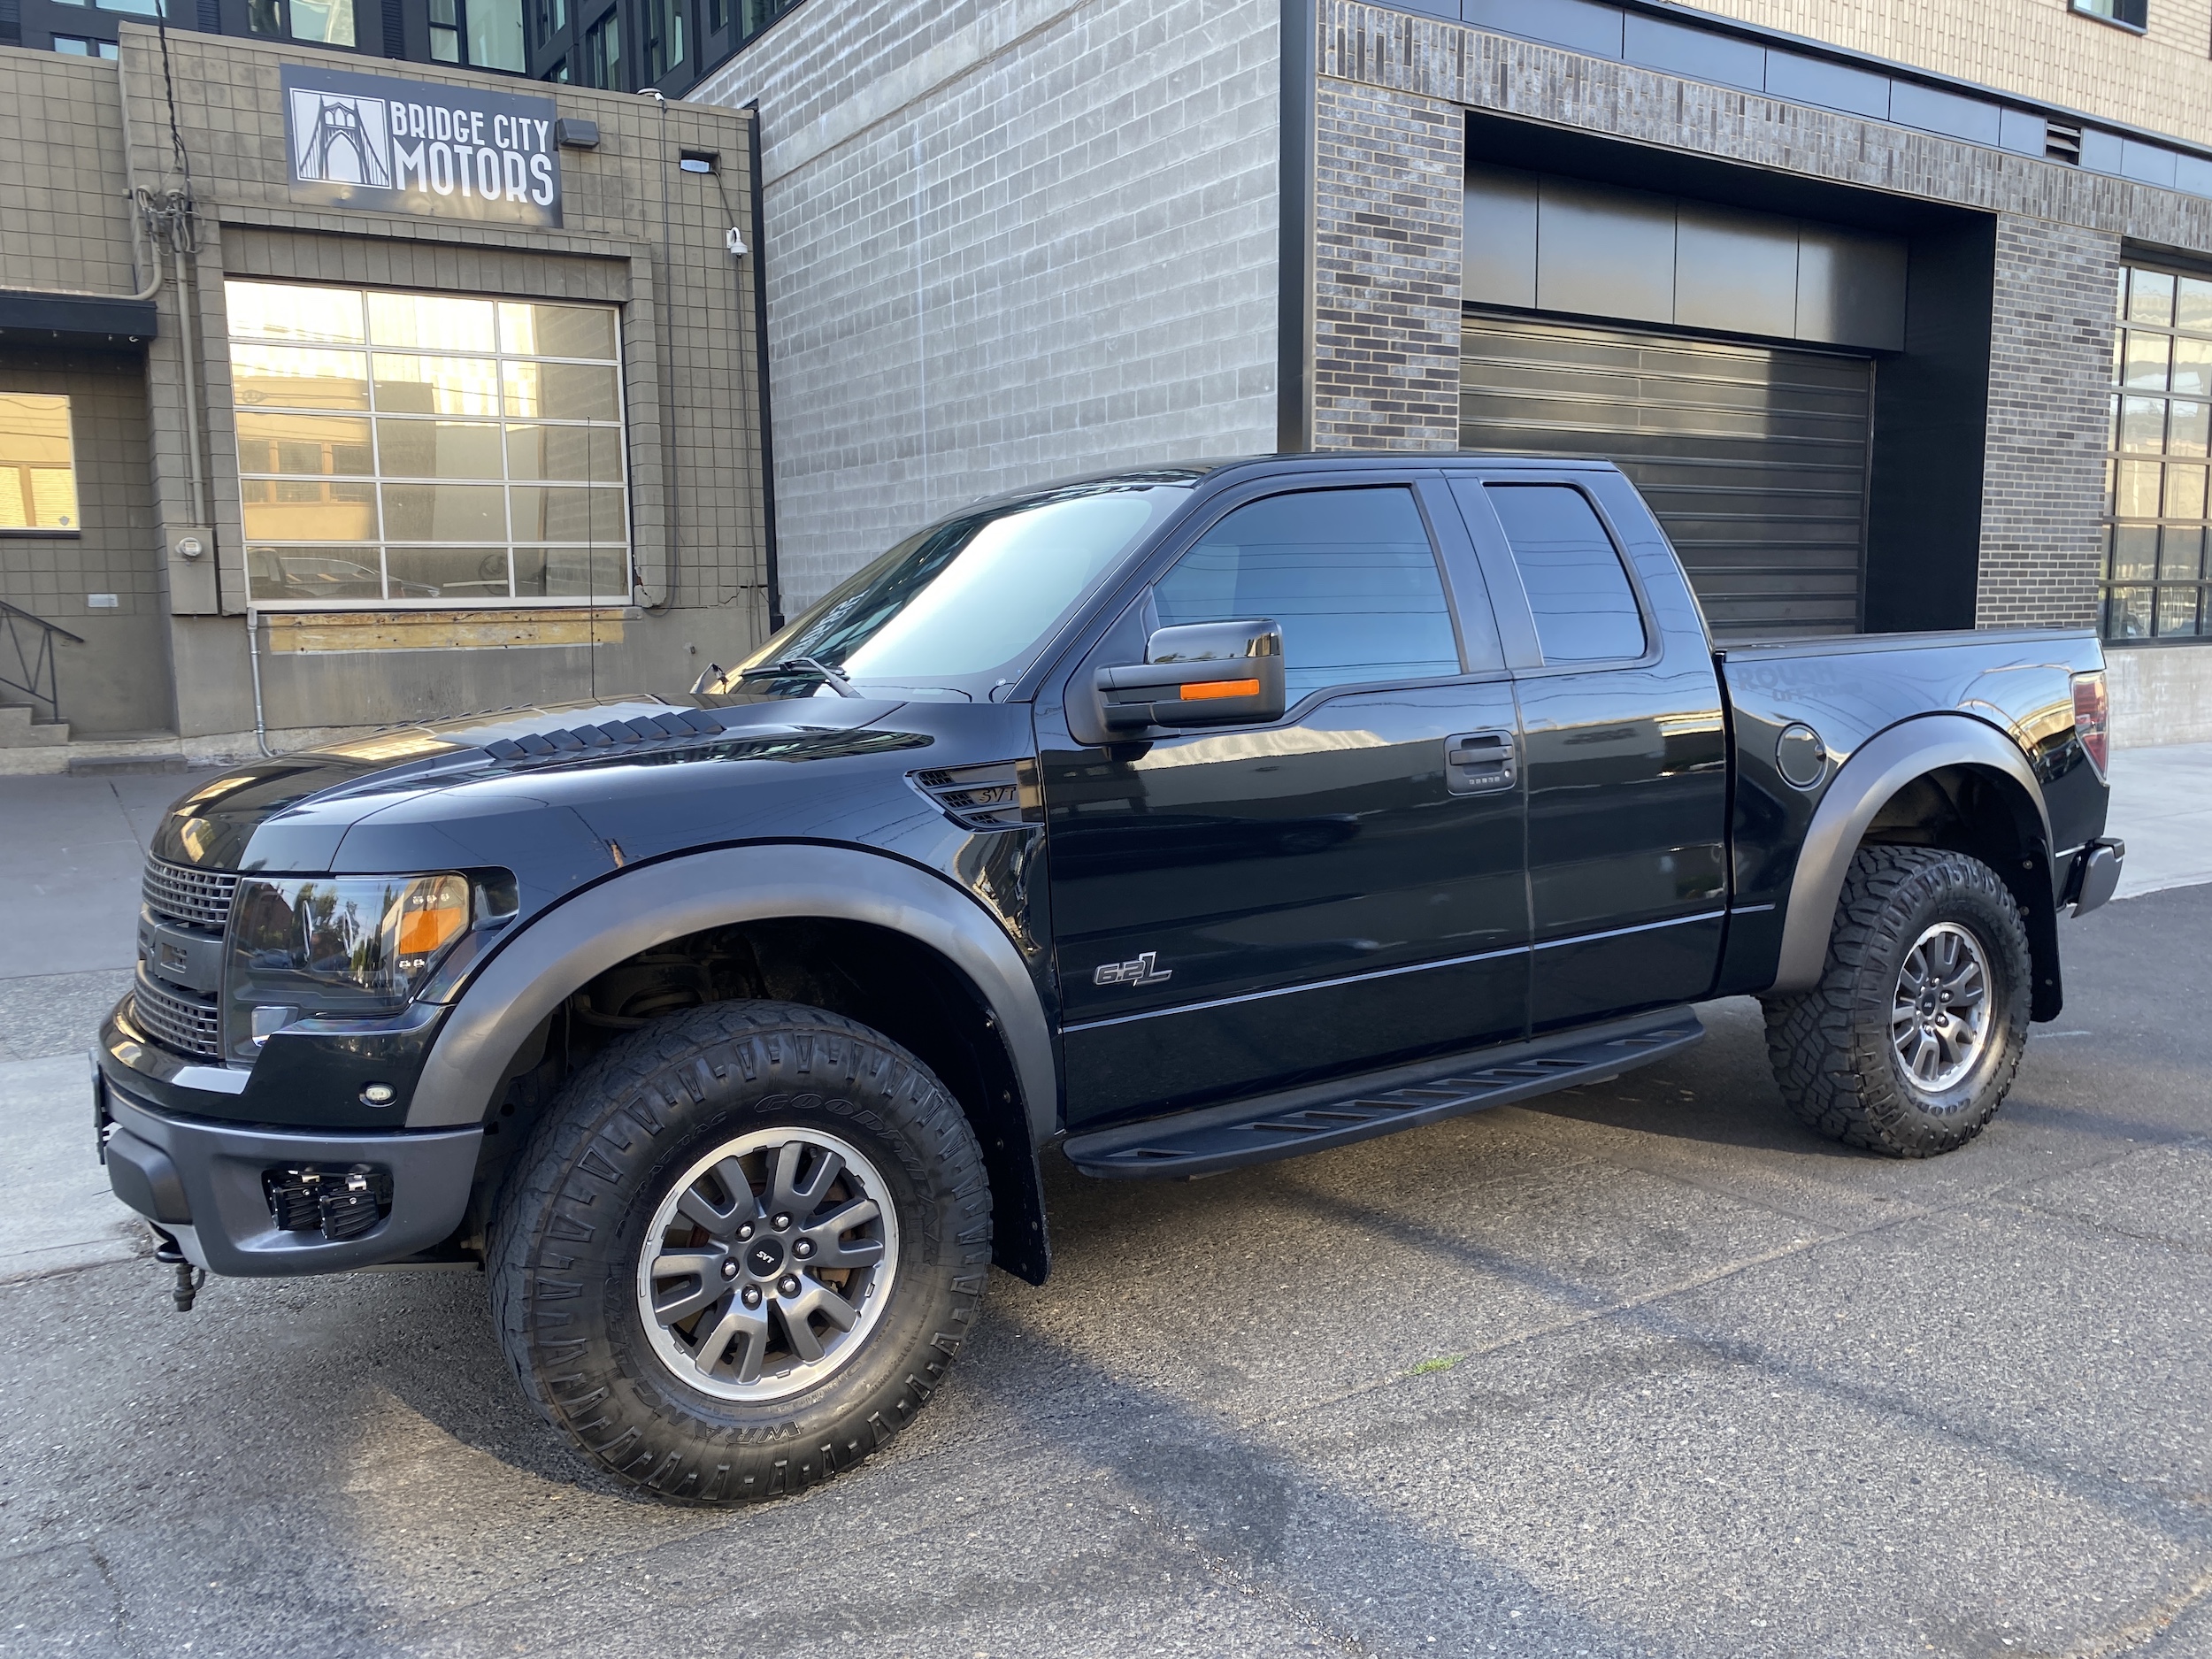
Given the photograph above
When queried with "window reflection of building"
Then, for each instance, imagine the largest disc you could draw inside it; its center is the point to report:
(414, 448)
(38, 475)
(2156, 475)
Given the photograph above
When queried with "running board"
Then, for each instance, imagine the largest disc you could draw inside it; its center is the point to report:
(1309, 1119)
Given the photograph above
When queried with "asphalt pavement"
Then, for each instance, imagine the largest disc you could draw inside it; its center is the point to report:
(1642, 1369)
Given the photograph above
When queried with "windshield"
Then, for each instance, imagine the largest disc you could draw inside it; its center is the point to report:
(965, 605)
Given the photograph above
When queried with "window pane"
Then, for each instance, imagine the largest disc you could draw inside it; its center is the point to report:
(494, 33)
(553, 573)
(1348, 574)
(1585, 610)
(2143, 424)
(561, 391)
(2127, 613)
(324, 22)
(288, 378)
(305, 446)
(437, 386)
(313, 572)
(557, 514)
(2134, 553)
(431, 321)
(2151, 298)
(2180, 553)
(445, 512)
(2135, 493)
(276, 311)
(2192, 306)
(287, 509)
(448, 572)
(2184, 491)
(2187, 433)
(438, 448)
(2145, 366)
(558, 330)
(38, 477)
(2193, 368)
(2176, 612)
(582, 454)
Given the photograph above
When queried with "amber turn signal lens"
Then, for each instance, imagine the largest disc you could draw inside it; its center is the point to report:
(1220, 688)
(2093, 714)
(432, 911)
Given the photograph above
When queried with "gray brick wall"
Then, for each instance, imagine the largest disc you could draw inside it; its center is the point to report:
(2043, 480)
(1008, 243)
(62, 219)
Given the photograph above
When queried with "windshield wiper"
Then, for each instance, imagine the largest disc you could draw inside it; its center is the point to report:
(832, 678)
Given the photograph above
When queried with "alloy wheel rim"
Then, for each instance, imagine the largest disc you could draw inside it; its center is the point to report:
(768, 1263)
(1940, 1019)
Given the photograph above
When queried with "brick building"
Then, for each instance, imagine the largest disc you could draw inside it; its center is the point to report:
(1900, 314)
(332, 400)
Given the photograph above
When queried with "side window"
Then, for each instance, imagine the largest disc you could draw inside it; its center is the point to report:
(1585, 610)
(1349, 573)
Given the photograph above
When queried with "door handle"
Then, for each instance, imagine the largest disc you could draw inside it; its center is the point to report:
(1478, 763)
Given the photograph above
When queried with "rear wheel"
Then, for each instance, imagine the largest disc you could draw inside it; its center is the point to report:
(1909, 1042)
(740, 1251)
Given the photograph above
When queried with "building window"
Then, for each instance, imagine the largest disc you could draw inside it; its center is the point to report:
(76, 46)
(664, 41)
(483, 34)
(602, 52)
(319, 22)
(551, 17)
(38, 468)
(419, 450)
(2155, 475)
(2131, 14)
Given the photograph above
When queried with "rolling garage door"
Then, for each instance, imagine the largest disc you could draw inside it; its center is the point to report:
(1754, 457)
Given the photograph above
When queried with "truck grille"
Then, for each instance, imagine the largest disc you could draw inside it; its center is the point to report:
(177, 1019)
(198, 898)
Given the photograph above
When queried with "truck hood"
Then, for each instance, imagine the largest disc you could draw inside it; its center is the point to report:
(292, 812)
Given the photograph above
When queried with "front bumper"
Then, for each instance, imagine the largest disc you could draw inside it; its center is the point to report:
(202, 1184)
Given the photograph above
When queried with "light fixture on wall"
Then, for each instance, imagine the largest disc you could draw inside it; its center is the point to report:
(735, 243)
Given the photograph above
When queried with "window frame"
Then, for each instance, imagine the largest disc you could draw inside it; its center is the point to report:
(376, 479)
(2132, 25)
(76, 491)
(1501, 566)
(2109, 518)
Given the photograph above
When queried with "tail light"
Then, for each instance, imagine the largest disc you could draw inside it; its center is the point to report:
(2092, 718)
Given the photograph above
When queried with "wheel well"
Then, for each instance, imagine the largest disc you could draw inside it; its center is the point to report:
(886, 980)
(1981, 812)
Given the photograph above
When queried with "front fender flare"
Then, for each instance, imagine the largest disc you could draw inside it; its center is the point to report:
(1883, 764)
(566, 947)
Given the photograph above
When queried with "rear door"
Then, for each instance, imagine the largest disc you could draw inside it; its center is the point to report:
(1242, 908)
(1625, 743)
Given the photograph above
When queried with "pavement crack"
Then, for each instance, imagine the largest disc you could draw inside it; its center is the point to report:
(2146, 1627)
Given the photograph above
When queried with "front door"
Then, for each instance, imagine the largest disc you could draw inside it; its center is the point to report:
(1238, 908)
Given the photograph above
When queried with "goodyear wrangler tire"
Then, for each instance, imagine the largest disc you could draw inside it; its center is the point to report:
(740, 1251)
(1909, 1042)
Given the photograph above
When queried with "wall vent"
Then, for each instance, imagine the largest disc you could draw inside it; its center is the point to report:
(2062, 141)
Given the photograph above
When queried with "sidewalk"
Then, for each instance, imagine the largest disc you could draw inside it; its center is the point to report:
(71, 850)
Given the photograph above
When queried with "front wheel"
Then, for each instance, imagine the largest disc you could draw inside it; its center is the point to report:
(738, 1253)
(1909, 1042)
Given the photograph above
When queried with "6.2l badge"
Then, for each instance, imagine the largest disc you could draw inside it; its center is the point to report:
(1141, 971)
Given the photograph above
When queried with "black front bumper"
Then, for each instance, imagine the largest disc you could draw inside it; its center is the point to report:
(203, 1183)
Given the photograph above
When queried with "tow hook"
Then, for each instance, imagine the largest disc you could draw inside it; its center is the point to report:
(189, 1279)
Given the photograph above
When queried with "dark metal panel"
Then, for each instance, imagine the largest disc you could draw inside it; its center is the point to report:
(1803, 80)
(1702, 54)
(1735, 271)
(1850, 288)
(76, 316)
(1578, 24)
(1753, 457)
(1501, 245)
(1604, 252)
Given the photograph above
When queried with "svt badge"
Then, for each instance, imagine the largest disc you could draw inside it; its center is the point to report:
(1141, 971)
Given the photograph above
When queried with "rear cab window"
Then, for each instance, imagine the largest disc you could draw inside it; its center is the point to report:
(1579, 595)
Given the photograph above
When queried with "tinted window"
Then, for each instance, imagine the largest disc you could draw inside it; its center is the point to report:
(1349, 573)
(1584, 608)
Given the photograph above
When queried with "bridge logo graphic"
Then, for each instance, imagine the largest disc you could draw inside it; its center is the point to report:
(339, 138)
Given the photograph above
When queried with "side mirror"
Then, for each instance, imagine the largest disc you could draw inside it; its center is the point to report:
(1205, 674)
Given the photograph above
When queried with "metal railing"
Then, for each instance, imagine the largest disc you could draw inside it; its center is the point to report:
(34, 664)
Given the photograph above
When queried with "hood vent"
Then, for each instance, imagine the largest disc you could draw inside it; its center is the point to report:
(678, 725)
(1001, 795)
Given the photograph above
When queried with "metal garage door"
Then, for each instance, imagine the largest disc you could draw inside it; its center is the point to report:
(1754, 457)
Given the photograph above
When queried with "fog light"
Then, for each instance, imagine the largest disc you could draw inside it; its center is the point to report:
(378, 1094)
(340, 1203)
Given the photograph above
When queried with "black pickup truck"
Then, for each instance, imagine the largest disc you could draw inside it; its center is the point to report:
(1163, 821)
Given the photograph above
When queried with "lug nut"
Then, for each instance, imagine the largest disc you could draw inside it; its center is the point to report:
(729, 1269)
(780, 1222)
(751, 1296)
(788, 1285)
(745, 1232)
(803, 1248)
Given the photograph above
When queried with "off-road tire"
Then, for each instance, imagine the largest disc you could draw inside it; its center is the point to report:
(564, 1242)
(1830, 1047)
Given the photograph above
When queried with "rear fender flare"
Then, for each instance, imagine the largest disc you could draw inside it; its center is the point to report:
(1883, 764)
(564, 949)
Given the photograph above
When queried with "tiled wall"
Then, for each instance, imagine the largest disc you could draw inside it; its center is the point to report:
(1008, 243)
(63, 223)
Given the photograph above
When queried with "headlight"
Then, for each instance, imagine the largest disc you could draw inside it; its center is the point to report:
(335, 945)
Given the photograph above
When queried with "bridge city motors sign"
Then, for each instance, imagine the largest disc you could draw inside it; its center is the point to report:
(396, 146)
